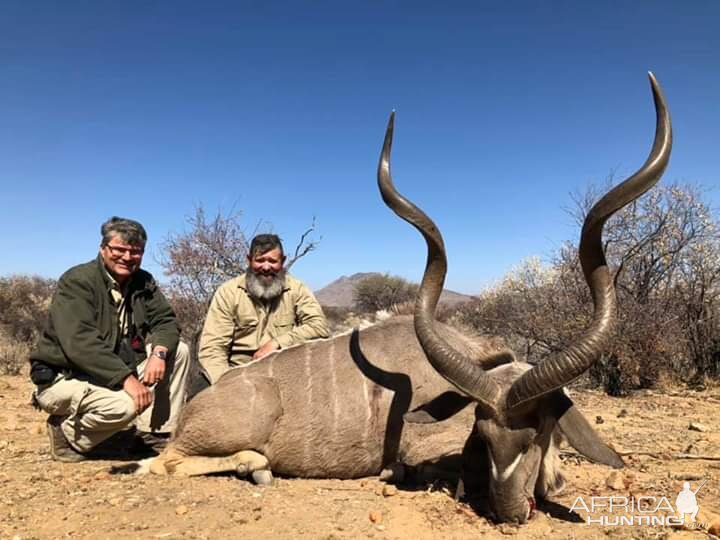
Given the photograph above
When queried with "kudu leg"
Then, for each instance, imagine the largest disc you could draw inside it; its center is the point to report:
(243, 463)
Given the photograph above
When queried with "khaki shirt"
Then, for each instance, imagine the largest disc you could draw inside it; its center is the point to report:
(237, 325)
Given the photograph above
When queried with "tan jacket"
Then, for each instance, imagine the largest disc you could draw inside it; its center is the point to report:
(237, 325)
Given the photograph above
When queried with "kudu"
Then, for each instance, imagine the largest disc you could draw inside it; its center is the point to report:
(348, 406)
(521, 409)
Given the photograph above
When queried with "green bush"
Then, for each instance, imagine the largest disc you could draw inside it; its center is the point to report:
(382, 291)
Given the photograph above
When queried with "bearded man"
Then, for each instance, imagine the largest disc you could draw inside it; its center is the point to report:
(259, 312)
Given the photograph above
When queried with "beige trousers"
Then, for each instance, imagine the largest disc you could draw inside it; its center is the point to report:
(95, 413)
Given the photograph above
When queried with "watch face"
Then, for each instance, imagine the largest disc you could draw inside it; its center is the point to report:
(161, 354)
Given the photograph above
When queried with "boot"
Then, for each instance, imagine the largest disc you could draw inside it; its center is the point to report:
(154, 441)
(60, 448)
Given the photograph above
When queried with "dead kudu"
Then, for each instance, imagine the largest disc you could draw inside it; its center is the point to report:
(521, 410)
(349, 406)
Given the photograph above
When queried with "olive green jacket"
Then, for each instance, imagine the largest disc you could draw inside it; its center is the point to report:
(81, 334)
(237, 324)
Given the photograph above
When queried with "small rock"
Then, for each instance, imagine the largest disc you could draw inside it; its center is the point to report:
(715, 528)
(623, 413)
(181, 510)
(375, 516)
(697, 426)
(615, 481)
(507, 529)
(102, 475)
(599, 420)
(389, 491)
(689, 477)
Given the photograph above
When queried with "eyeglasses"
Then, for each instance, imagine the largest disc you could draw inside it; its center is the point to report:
(119, 251)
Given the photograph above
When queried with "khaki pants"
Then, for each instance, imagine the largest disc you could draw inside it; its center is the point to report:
(95, 413)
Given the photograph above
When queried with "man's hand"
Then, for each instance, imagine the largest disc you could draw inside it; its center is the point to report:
(141, 394)
(154, 370)
(266, 349)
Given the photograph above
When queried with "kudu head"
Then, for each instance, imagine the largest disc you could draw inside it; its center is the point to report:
(521, 409)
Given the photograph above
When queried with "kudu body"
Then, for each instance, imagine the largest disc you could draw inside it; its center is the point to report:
(337, 408)
(325, 409)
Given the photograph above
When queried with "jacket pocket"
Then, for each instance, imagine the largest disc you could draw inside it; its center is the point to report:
(245, 324)
(283, 323)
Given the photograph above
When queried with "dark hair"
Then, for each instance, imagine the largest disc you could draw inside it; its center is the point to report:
(129, 231)
(262, 243)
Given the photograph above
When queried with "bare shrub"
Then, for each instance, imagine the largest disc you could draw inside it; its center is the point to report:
(379, 292)
(664, 252)
(665, 248)
(13, 356)
(24, 304)
(533, 308)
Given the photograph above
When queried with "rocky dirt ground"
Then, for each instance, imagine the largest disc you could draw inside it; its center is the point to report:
(42, 499)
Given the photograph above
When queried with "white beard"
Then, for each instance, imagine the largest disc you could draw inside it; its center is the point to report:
(265, 291)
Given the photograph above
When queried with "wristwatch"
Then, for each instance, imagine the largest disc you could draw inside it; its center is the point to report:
(161, 354)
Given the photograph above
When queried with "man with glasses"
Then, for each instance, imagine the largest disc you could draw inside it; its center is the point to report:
(94, 370)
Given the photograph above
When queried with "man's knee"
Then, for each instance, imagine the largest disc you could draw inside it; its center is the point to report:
(119, 411)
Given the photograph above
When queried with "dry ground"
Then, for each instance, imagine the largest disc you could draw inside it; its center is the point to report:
(42, 499)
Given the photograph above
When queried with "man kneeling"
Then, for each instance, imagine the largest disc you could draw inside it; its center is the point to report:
(94, 371)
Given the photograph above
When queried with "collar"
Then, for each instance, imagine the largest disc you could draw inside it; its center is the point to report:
(110, 279)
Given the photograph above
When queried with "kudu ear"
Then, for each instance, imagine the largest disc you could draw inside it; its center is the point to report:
(438, 409)
(580, 434)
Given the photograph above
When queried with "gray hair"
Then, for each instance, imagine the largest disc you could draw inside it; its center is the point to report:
(263, 243)
(129, 231)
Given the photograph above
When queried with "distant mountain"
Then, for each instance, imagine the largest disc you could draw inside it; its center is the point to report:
(339, 293)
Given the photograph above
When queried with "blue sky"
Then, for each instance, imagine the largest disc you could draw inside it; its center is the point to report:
(278, 109)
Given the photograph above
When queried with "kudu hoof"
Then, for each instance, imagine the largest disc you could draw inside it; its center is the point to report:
(393, 473)
(263, 478)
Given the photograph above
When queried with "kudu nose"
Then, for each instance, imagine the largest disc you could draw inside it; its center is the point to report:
(520, 515)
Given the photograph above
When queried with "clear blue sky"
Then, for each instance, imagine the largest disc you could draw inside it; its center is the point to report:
(278, 109)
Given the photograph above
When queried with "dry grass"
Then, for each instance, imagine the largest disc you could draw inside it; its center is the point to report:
(13, 356)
